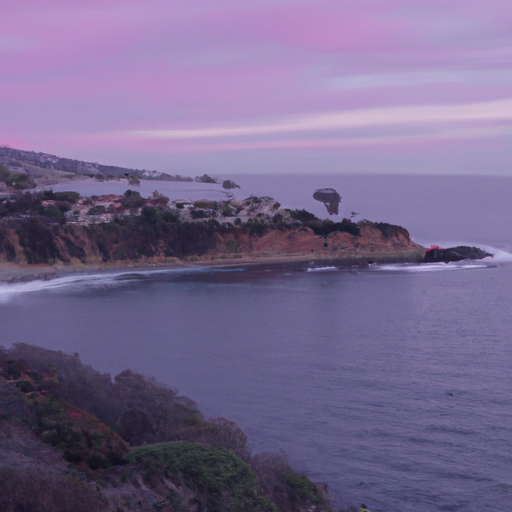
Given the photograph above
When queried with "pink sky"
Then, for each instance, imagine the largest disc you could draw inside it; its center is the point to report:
(347, 86)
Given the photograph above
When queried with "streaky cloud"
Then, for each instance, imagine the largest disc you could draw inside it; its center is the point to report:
(500, 110)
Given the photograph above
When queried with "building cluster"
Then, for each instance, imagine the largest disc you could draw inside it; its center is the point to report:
(98, 209)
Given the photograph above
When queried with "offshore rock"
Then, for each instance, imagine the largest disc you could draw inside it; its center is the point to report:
(205, 179)
(461, 252)
(229, 184)
(330, 198)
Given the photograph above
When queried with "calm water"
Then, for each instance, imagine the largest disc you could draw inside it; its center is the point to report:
(391, 384)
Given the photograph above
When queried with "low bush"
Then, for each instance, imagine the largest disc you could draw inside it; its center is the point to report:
(326, 227)
(302, 215)
(17, 180)
(132, 199)
(222, 479)
(30, 491)
(289, 490)
(68, 196)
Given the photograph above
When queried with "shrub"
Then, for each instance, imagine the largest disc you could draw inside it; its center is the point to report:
(53, 213)
(159, 198)
(223, 480)
(4, 173)
(132, 199)
(97, 210)
(289, 490)
(325, 227)
(198, 214)
(26, 203)
(31, 491)
(70, 197)
(254, 227)
(20, 181)
(302, 215)
(149, 214)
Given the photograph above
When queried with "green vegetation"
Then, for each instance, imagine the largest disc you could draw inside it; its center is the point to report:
(303, 215)
(160, 199)
(183, 461)
(132, 199)
(80, 436)
(222, 479)
(31, 204)
(324, 227)
(4, 173)
(17, 180)
(68, 196)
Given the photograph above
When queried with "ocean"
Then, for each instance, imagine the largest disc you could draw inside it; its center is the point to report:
(391, 384)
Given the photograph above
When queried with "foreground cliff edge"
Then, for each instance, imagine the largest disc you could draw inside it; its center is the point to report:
(64, 230)
(72, 438)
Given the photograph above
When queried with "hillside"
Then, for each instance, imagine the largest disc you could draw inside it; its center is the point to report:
(72, 438)
(47, 169)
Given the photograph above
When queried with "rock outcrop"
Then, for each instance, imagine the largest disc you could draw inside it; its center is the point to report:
(461, 252)
(330, 198)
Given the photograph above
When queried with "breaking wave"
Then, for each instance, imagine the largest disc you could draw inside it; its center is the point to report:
(499, 257)
(98, 281)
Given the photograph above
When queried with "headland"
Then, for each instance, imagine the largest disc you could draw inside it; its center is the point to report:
(44, 232)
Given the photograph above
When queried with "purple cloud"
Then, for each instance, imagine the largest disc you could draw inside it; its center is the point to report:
(79, 76)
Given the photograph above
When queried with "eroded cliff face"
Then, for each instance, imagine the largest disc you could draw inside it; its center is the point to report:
(372, 244)
(109, 246)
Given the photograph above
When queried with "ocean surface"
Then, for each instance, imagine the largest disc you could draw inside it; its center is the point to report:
(391, 384)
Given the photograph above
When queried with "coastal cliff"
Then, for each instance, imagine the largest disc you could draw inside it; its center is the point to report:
(163, 240)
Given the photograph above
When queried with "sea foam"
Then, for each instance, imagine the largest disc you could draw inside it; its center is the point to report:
(100, 280)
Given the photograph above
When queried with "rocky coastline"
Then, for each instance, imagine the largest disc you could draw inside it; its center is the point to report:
(459, 253)
(44, 235)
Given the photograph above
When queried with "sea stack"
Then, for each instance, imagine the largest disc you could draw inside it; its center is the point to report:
(330, 198)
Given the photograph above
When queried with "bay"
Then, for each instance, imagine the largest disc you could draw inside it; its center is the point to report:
(391, 384)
